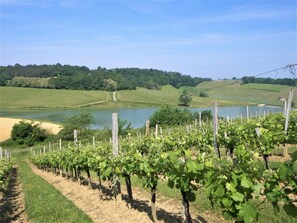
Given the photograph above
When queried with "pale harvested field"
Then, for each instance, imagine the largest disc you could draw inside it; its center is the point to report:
(6, 125)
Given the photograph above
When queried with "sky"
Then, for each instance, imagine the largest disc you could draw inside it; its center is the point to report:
(204, 38)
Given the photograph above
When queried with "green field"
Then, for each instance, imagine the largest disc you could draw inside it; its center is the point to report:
(167, 95)
(223, 92)
(14, 97)
(246, 94)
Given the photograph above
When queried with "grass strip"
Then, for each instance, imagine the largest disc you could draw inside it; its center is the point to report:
(267, 212)
(45, 203)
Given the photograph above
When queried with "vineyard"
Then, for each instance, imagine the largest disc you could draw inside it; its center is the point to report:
(236, 174)
(5, 168)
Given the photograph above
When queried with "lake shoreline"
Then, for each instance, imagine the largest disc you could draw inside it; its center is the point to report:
(137, 116)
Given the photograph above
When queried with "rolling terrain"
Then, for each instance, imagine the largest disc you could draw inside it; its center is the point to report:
(224, 92)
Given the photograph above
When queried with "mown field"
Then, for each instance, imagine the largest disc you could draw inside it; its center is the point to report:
(14, 97)
(223, 92)
(248, 93)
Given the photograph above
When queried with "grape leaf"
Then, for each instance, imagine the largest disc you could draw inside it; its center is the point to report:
(246, 183)
(248, 212)
(237, 196)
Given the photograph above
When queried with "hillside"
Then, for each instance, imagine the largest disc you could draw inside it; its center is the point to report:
(247, 93)
(223, 92)
(15, 97)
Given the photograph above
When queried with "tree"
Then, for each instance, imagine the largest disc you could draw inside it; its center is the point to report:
(170, 116)
(124, 127)
(185, 98)
(25, 133)
(81, 122)
(110, 85)
(3, 79)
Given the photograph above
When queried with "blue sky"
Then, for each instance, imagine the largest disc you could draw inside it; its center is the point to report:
(214, 38)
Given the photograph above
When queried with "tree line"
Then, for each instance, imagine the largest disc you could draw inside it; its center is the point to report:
(268, 80)
(82, 78)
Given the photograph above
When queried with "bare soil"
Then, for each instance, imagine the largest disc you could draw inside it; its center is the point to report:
(101, 207)
(12, 206)
(6, 125)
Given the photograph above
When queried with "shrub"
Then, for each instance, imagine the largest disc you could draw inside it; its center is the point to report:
(170, 116)
(81, 122)
(206, 115)
(25, 133)
(203, 94)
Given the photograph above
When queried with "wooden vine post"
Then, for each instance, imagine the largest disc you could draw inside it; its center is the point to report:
(75, 137)
(156, 131)
(285, 107)
(76, 171)
(215, 129)
(288, 111)
(94, 142)
(147, 128)
(200, 121)
(115, 147)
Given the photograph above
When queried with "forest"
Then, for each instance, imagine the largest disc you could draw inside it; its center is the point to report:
(268, 80)
(82, 78)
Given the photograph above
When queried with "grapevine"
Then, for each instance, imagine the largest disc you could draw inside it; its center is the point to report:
(187, 162)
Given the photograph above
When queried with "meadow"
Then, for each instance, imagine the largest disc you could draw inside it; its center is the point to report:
(226, 93)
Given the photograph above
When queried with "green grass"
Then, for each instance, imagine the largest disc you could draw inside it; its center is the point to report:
(167, 95)
(280, 151)
(224, 92)
(202, 203)
(44, 203)
(245, 94)
(12, 97)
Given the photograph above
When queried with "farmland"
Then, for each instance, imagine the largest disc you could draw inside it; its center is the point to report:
(185, 159)
(178, 165)
(223, 92)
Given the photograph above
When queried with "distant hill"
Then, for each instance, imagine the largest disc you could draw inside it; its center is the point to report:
(232, 90)
(82, 78)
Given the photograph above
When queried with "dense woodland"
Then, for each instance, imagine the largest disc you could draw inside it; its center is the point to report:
(81, 77)
(261, 80)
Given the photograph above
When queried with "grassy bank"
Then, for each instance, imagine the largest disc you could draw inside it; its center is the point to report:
(44, 203)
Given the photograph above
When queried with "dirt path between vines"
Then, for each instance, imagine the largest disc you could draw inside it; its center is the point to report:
(12, 205)
(105, 210)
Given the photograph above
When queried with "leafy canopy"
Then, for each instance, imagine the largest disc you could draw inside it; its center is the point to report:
(170, 116)
(81, 122)
(25, 133)
(185, 98)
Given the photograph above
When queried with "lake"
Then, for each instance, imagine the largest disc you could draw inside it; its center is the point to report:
(137, 116)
